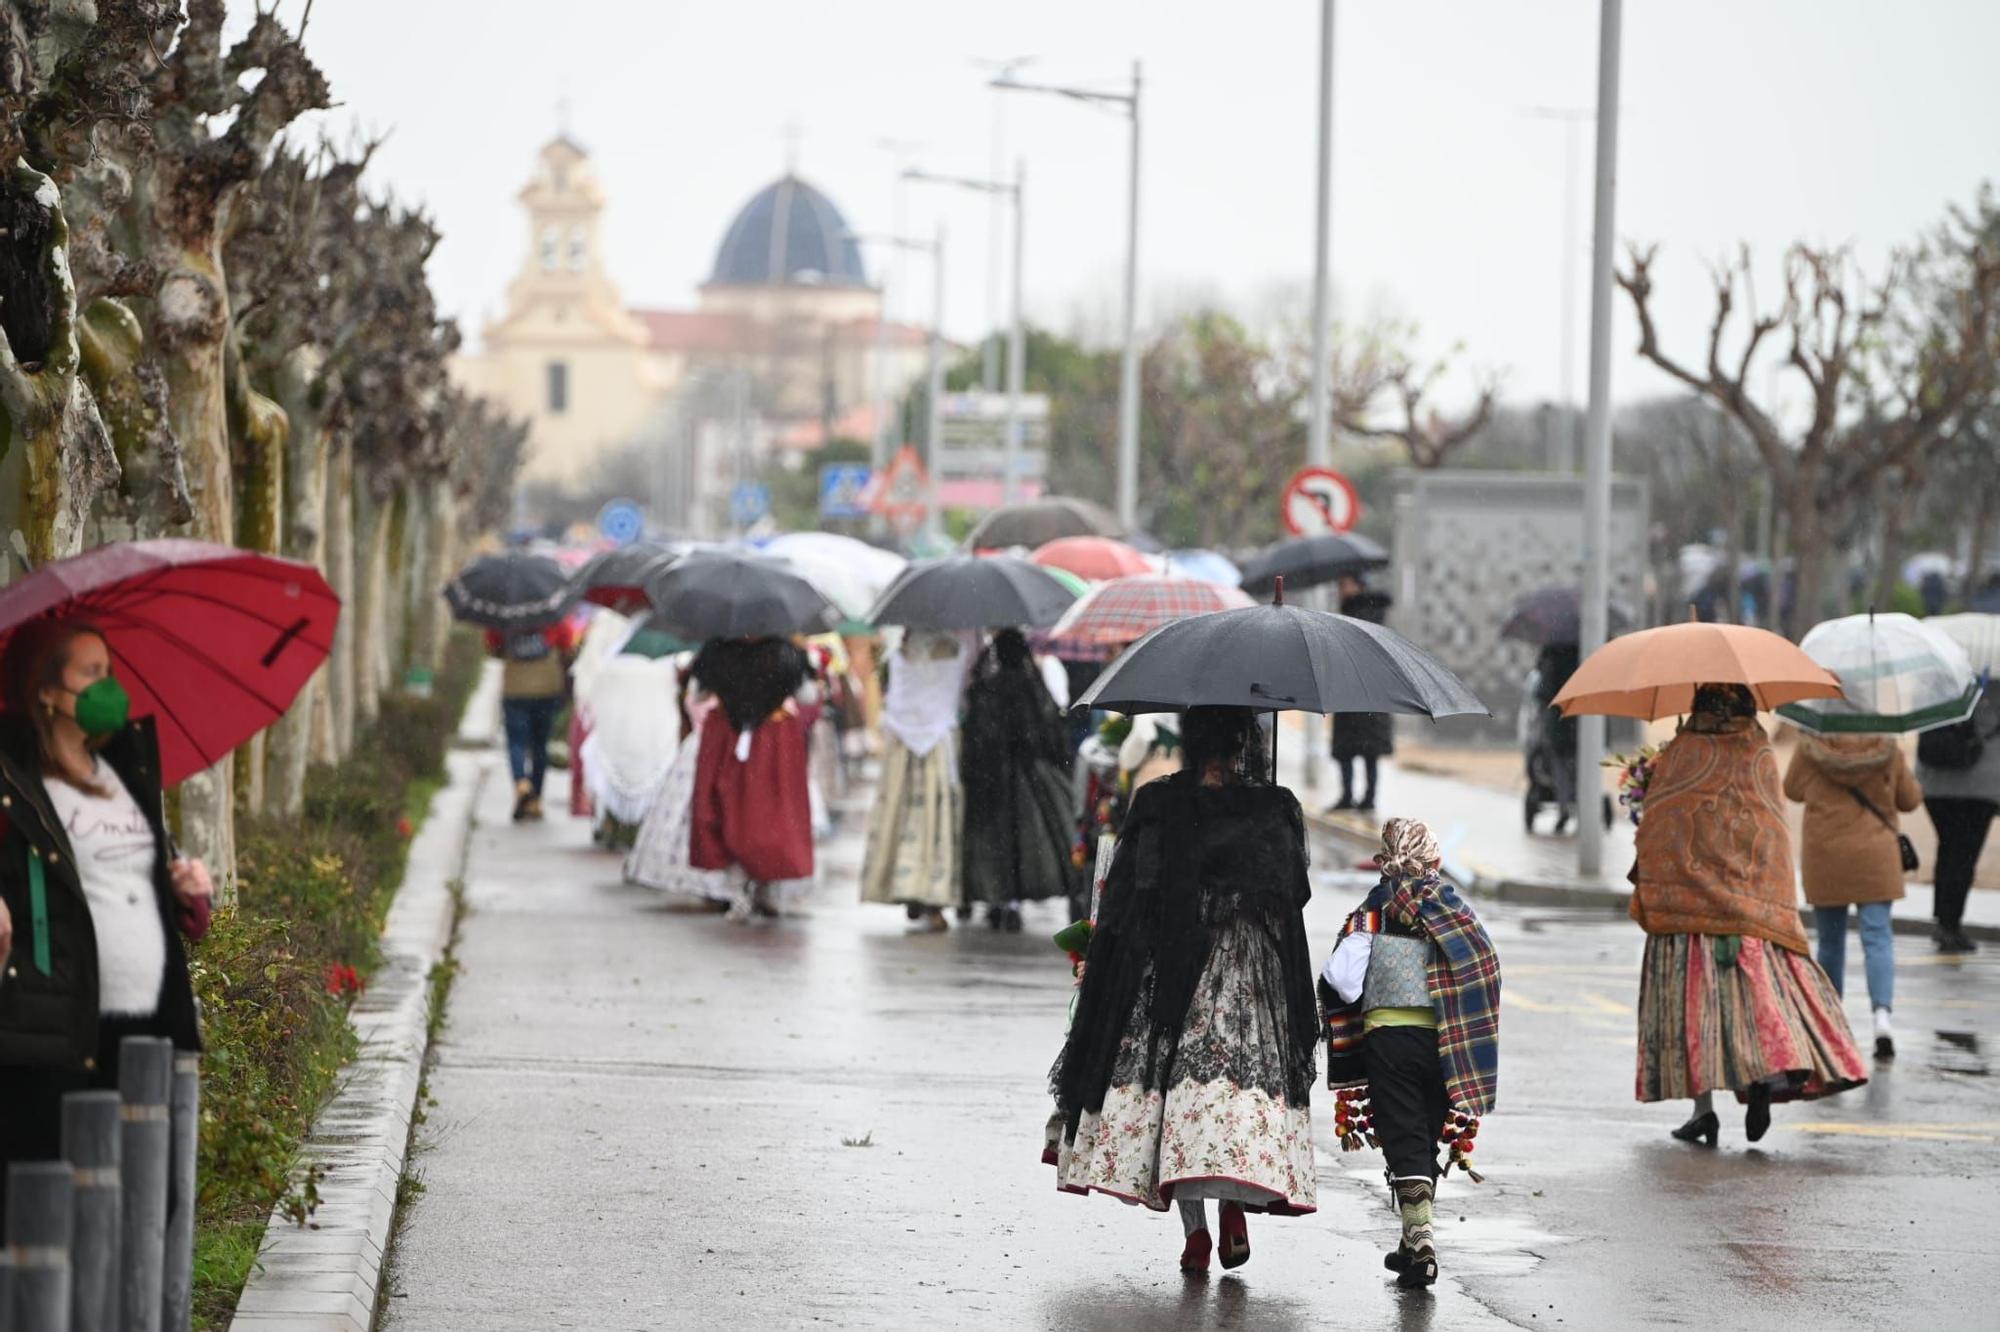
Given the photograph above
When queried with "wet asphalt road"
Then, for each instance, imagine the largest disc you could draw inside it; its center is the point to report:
(647, 1118)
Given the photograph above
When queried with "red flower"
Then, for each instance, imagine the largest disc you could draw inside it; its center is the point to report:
(343, 979)
(405, 829)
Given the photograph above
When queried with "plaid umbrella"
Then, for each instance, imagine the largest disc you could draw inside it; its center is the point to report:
(1115, 614)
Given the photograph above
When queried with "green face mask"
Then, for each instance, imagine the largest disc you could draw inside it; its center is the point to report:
(103, 707)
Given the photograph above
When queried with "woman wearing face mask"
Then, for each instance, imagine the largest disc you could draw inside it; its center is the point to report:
(96, 900)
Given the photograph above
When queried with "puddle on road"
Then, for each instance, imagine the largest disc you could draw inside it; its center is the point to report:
(1959, 1052)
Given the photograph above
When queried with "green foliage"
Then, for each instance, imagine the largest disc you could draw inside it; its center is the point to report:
(313, 895)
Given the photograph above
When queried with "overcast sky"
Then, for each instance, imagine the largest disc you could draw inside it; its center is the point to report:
(1834, 120)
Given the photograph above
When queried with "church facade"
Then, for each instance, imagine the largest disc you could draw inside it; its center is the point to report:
(785, 349)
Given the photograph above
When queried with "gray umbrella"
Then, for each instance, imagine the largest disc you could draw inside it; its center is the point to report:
(734, 594)
(1310, 561)
(511, 592)
(1280, 659)
(971, 592)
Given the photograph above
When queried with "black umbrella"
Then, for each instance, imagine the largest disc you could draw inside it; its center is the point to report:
(1280, 659)
(1554, 615)
(968, 592)
(511, 592)
(1038, 522)
(1311, 561)
(735, 594)
(618, 577)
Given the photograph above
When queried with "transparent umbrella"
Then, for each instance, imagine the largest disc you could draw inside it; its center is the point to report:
(1896, 673)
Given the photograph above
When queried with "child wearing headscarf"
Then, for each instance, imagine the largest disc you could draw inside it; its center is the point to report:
(1411, 999)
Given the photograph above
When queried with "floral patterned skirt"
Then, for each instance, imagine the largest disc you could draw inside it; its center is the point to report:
(1721, 1014)
(1223, 1128)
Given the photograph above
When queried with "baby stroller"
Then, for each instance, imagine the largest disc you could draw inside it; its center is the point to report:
(1548, 745)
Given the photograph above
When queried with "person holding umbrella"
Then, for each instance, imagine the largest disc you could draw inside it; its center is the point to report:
(1187, 1073)
(915, 829)
(1019, 825)
(125, 670)
(1852, 787)
(1364, 737)
(534, 684)
(1729, 995)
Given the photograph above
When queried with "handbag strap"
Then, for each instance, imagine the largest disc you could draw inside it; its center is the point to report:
(1869, 805)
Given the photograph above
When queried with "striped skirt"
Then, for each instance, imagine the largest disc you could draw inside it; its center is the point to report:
(1712, 1022)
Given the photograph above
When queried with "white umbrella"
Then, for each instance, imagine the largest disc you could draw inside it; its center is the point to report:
(851, 574)
(1896, 672)
(1978, 634)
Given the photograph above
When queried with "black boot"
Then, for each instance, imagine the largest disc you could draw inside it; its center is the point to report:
(1757, 1119)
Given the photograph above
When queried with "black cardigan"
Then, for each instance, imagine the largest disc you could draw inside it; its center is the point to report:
(50, 1019)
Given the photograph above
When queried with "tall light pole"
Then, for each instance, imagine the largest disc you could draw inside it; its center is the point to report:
(990, 365)
(934, 376)
(1128, 375)
(1319, 429)
(1010, 466)
(1597, 439)
(1562, 447)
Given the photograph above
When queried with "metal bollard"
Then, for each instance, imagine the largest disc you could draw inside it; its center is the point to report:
(91, 1133)
(39, 1205)
(177, 1294)
(145, 1081)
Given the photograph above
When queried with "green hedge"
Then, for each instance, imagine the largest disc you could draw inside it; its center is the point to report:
(276, 973)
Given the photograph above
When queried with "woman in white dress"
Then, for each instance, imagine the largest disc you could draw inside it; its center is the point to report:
(659, 857)
(914, 829)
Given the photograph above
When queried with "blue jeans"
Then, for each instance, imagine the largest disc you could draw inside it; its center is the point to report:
(1878, 949)
(529, 723)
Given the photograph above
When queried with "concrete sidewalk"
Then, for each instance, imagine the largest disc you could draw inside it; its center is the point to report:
(1488, 849)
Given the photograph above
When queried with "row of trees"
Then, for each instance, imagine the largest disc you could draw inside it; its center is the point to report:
(210, 331)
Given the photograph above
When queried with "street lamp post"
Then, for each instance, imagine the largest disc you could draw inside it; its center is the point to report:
(1597, 439)
(1319, 429)
(1562, 446)
(990, 351)
(1128, 376)
(1010, 466)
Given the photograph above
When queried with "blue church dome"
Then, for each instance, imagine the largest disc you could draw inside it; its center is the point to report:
(789, 233)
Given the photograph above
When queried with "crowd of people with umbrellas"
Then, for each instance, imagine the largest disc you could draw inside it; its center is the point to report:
(1062, 723)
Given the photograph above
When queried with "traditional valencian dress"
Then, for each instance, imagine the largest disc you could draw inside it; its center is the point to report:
(752, 811)
(913, 834)
(1729, 995)
(1020, 823)
(659, 857)
(1189, 1067)
(634, 736)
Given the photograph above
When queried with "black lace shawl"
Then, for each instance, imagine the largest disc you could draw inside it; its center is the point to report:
(1191, 860)
(1020, 823)
(750, 677)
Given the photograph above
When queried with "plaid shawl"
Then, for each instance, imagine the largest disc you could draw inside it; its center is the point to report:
(1465, 986)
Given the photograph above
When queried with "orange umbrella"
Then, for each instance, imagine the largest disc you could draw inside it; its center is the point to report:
(1092, 557)
(1653, 673)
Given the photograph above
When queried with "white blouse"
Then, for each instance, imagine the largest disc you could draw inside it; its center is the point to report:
(115, 858)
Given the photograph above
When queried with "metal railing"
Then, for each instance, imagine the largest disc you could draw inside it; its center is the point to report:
(103, 1240)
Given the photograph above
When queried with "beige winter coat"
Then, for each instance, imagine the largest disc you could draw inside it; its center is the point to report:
(1848, 855)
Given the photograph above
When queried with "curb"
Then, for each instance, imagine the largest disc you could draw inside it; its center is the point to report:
(1481, 882)
(327, 1276)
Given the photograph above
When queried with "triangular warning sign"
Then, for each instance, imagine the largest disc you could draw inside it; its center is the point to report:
(904, 488)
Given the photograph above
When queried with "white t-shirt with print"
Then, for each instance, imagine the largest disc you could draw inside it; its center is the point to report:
(115, 858)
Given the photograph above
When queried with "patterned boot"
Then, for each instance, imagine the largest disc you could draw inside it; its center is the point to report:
(1415, 1259)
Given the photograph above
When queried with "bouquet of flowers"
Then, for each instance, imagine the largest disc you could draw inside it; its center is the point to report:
(1635, 773)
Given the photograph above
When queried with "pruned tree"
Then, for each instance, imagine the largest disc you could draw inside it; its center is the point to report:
(1875, 400)
(1380, 390)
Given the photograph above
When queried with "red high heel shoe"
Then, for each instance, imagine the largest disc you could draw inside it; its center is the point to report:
(1235, 1236)
(1194, 1258)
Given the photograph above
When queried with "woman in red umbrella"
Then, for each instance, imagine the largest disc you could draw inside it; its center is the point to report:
(97, 901)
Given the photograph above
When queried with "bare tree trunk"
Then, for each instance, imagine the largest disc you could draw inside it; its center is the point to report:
(1896, 491)
(371, 532)
(1732, 551)
(46, 406)
(260, 431)
(1982, 530)
(396, 553)
(342, 575)
(301, 392)
(1807, 537)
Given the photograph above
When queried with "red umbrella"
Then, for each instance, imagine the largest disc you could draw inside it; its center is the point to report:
(1094, 557)
(211, 641)
(1115, 614)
